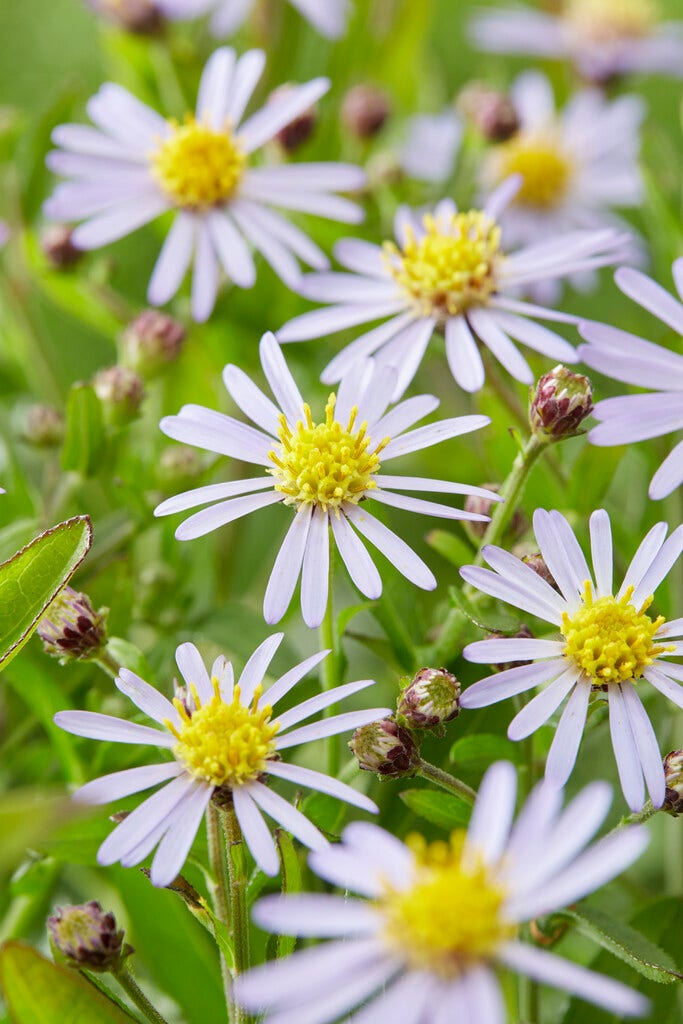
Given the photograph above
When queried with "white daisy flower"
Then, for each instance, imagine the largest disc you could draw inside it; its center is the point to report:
(436, 920)
(324, 471)
(431, 146)
(135, 165)
(609, 643)
(328, 17)
(603, 38)
(575, 164)
(628, 358)
(225, 741)
(448, 272)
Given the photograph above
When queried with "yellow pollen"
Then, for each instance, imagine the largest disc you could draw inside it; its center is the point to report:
(611, 640)
(325, 464)
(452, 916)
(224, 744)
(545, 168)
(452, 267)
(609, 21)
(197, 166)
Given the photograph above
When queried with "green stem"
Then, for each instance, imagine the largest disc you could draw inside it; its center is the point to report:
(108, 663)
(219, 887)
(511, 492)
(237, 898)
(329, 674)
(137, 996)
(639, 818)
(447, 781)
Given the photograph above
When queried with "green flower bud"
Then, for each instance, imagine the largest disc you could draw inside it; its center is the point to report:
(431, 699)
(87, 937)
(44, 426)
(151, 341)
(385, 747)
(71, 629)
(121, 392)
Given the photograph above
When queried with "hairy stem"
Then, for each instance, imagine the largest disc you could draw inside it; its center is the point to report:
(447, 781)
(237, 897)
(219, 887)
(137, 996)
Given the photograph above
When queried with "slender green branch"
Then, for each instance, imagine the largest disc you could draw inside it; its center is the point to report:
(137, 996)
(219, 887)
(108, 663)
(447, 781)
(329, 672)
(237, 898)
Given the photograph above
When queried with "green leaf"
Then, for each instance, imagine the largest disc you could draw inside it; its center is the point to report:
(499, 621)
(626, 943)
(31, 579)
(325, 811)
(483, 749)
(26, 816)
(454, 549)
(39, 992)
(84, 431)
(291, 882)
(442, 809)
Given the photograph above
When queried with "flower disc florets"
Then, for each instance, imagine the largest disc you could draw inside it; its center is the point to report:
(608, 21)
(609, 639)
(452, 916)
(224, 744)
(546, 169)
(452, 267)
(198, 166)
(325, 464)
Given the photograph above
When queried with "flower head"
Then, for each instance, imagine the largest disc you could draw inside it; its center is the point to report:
(386, 748)
(226, 741)
(135, 165)
(87, 936)
(609, 643)
(71, 629)
(430, 699)
(560, 403)
(435, 920)
(603, 38)
(325, 469)
(448, 271)
(632, 360)
(328, 17)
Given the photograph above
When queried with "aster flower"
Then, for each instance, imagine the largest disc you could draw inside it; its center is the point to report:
(328, 17)
(324, 470)
(448, 272)
(603, 38)
(575, 164)
(431, 146)
(135, 165)
(225, 741)
(609, 644)
(435, 920)
(630, 359)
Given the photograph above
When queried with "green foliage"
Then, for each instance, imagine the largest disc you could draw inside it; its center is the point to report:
(442, 809)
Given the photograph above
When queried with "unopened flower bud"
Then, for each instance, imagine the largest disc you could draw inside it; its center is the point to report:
(179, 466)
(71, 629)
(364, 110)
(560, 403)
(142, 17)
(87, 937)
(537, 562)
(431, 699)
(383, 170)
(673, 775)
(485, 506)
(44, 426)
(523, 633)
(296, 132)
(491, 112)
(58, 246)
(121, 391)
(385, 747)
(151, 341)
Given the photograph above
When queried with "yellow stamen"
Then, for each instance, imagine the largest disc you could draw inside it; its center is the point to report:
(605, 21)
(611, 640)
(452, 267)
(453, 915)
(224, 744)
(325, 464)
(198, 166)
(545, 167)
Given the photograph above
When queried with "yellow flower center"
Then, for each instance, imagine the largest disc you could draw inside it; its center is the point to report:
(609, 639)
(545, 168)
(452, 916)
(197, 166)
(325, 464)
(224, 744)
(605, 21)
(451, 268)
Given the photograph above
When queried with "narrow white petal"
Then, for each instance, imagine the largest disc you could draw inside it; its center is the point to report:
(338, 999)
(257, 666)
(114, 224)
(364, 345)
(204, 276)
(279, 112)
(248, 70)
(496, 340)
(405, 1000)
(651, 296)
(214, 87)
(255, 831)
(94, 726)
(118, 785)
(539, 709)
(193, 670)
(422, 507)
(556, 558)
(285, 573)
(322, 783)
(669, 475)
(315, 574)
(144, 820)
(513, 591)
(601, 551)
(316, 915)
(462, 353)
(173, 261)
(231, 249)
(300, 712)
(211, 492)
(408, 563)
(509, 683)
(404, 415)
(646, 744)
(281, 382)
(356, 558)
(331, 726)
(251, 399)
(495, 651)
(503, 195)
(625, 750)
(494, 808)
(209, 519)
(644, 556)
(662, 563)
(666, 686)
(321, 322)
(287, 815)
(284, 684)
(175, 846)
(274, 253)
(416, 483)
(565, 746)
(515, 570)
(433, 433)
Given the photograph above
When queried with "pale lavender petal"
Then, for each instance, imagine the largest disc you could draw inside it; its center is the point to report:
(251, 400)
(211, 492)
(193, 670)
(537, 337)
(601, 551)
(405, 1000)
(321, 204)
(95, 726)
(320, 782)
(274, 253)
(248, 70)
(309, 707)
(174, 847)
(644, 556)
(539, 709)
(462, 353)
(661, 565)
(422, 507)
(279, 112)
(433, 433)
(321, 322)
(556, 558)
(669, 475)
(255, 831)
(503, 195)
(118, 785)
(361, 257)
(646, 744)
(205, 428)
(338, 999)
(356, 558)
(146, 697)
(651, 296)
(285, 573)
(362, 346)
(209, 519)
(625, 750)
(416, 483)
(408, 563)
(291, 237)
(173, 261)
(287, 815)
(516, 571)
(204, 276)
(284, 684)
(494, 651)
(214, 87)
(114, 224)
(331, 726)
(666, 686)
(565, 746)
(281, 382)
(315, 574)
(145, 819)
(315, 915)
(509, 683)
(405, 352)
(231, 249)
(512, 591)
(492, 815)
(257, 666)
(488, 330)
(404, 415)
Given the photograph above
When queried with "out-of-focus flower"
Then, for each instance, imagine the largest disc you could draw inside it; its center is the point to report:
(298, 131)
(325, 471)
(87, 937)
(603, 38)
(386, 748)
(608, 642)
(57, 244)
(364, 110)
(560, 403)
(431, 146)
(121, 391)
(71, 629)
(450, 272)
(329, 17)
(435, 920)
(490, 111)
(140, 16)
(576, 164)
(152, 341)
(630, 359)
(432, 698)
(136, 165)
(44, 426)
(227, 744)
